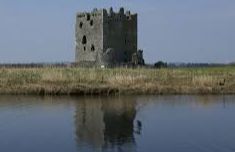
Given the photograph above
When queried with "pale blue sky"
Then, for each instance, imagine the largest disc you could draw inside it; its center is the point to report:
(169, 30)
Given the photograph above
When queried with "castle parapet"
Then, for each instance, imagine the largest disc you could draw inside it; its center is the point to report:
(107, 13)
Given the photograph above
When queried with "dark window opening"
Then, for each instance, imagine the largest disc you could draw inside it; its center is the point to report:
(84, 48)
(88, 17)
(92, 47)
(91, 22)
(84, 40)
(81, 24)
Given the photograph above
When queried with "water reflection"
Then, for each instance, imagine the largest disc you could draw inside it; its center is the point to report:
(110, 124)
(107, 123)
(143, 123)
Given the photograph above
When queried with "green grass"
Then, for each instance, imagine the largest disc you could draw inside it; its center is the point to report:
(55, 81)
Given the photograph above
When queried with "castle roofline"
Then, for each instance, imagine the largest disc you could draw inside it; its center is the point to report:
(109, 11)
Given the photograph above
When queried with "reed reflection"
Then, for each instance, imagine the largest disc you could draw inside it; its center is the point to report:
(107, 123)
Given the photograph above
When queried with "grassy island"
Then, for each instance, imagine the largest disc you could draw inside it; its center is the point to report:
(80, 81)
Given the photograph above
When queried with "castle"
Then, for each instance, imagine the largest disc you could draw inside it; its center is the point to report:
(107, 38)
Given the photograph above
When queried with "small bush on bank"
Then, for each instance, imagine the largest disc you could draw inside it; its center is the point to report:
(160, 64)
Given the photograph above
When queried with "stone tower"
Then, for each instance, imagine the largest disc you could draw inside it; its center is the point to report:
(106, 37)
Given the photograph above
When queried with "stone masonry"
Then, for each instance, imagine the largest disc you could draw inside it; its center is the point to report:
(107, 38)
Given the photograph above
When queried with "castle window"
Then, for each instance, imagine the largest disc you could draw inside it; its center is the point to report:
(84, 40)
(91, 22)
(81, 24)
(88, 17)
(84, 48)
(92, 47)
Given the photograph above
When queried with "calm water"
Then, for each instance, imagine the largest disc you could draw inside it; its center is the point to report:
(117, 124)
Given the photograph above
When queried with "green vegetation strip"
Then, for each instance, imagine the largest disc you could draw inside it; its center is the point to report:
(81, 81)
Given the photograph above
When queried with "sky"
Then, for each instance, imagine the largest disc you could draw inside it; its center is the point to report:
(168, 30)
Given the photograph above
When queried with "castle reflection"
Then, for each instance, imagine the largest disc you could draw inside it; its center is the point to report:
(106, 124)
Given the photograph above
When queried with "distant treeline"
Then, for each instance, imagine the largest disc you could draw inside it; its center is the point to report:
(37, 65)
(159, 64)
(175, 65)
(162, 64)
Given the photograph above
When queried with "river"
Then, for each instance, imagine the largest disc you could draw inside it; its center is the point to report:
(117, 124)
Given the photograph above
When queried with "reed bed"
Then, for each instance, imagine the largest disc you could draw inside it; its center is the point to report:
(94, 81)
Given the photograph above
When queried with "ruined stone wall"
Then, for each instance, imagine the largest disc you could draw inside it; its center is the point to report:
(89, 36)
(120, 35)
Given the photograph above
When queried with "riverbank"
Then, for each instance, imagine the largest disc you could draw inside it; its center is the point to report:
(80, 81)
